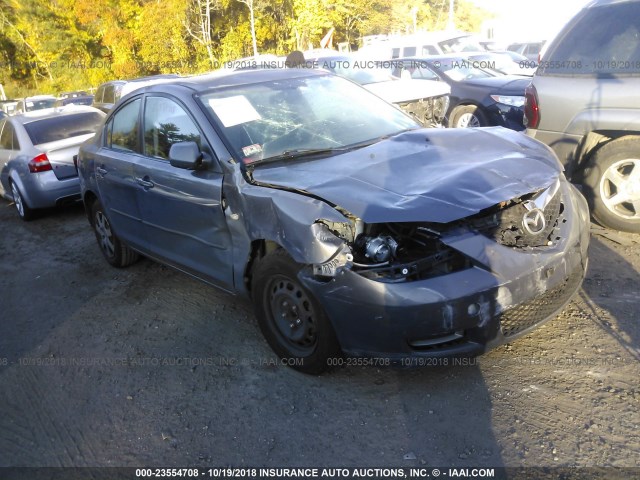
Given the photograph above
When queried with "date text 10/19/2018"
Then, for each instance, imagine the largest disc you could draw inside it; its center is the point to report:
(303, 473)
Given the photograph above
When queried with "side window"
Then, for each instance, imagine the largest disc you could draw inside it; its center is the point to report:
(409, 51)
(166, 123)
(98, 96)
(425, 74)
(123, 128)
(8, 140)
(603, 40)
(3, 141)
(395, 53)
(429, 50)
(108, 94)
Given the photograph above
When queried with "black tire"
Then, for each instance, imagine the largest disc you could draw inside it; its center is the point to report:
(458, 114)
(606, 176)
(114, 251)
(24, 211)
(291, 319)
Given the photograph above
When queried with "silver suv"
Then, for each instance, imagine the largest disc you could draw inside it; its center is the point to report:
(584, 102)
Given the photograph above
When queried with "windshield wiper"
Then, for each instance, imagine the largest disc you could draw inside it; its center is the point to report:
(307, 153)
(299, 153)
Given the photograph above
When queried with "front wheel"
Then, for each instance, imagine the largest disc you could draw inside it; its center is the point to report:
(612, 182)
(114, 251)
(290, 318)
(468, 116)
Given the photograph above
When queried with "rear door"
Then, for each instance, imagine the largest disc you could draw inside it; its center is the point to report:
(114, 170)
(181, 209)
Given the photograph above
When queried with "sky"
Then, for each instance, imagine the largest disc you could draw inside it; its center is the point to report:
(530, 19)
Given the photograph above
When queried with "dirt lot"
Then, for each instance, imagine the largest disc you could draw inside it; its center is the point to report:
(146, 366)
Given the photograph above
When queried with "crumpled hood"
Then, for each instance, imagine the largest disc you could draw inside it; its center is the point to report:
(400, 91)
(427, 175)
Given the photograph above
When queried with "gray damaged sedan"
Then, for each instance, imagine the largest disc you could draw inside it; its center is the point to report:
(353, 230)
(36, 156)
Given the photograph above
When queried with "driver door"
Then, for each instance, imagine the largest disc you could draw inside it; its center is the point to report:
(181, 209)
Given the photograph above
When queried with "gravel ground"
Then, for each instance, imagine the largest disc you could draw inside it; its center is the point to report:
(148, 367)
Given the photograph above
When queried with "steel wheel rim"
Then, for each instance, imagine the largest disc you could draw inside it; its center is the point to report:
(468, 120)
(292, 315)
(17, 199)
(105, 236)
(620, 188)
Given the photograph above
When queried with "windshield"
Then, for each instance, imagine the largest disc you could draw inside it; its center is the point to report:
(461, 44)
(363, 72)
(266, 120)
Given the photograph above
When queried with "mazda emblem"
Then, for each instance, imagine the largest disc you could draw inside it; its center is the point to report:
(534, 221)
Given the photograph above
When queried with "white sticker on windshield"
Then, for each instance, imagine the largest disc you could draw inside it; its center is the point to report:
(234, 110)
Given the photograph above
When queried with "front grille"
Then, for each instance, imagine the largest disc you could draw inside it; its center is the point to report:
(526, 315)
(506, 227)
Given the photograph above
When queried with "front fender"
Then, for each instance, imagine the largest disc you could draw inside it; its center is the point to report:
(289, 219)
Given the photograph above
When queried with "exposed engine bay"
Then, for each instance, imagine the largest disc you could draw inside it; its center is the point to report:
(404, 252)
(399, 252)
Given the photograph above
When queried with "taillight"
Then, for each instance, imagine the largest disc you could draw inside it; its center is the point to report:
(39, 164)
(531, 108)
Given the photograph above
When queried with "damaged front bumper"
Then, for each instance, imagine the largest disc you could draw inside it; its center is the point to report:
(506, 293)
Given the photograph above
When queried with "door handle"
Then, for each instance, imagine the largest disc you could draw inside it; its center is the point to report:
(101, 171)
(144, 183)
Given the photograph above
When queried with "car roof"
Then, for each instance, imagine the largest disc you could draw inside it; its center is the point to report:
(28, 117)
(601, 3)
(226, 78)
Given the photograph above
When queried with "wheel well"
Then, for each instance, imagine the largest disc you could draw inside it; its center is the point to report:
(259, 249)
(465, 103)
(594, 141)
(88, 200)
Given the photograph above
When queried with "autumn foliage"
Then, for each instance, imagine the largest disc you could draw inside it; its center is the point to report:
(49, 46)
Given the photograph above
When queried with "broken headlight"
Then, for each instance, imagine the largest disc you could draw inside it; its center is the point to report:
(404, 252)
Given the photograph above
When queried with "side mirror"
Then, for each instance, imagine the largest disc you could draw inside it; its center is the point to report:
(185, 155)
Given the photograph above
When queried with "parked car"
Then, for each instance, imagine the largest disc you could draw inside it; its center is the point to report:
(8, 106)
(36, 156)
(531, 50)
(584, 102)
(108, 94)
(505, 63)
(426, 101)
(353, 229)
(479, 97)
(2, 114)
(85, 100)
(74, 94)
(422, 44)
(492, 45)
(37, 102)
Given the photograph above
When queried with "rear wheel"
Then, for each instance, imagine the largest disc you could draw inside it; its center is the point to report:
(23, 209)
(468, 116)
(115, 252)
(613, 185)
(291, 319)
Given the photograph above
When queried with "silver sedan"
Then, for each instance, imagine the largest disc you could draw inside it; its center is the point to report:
(36, 156)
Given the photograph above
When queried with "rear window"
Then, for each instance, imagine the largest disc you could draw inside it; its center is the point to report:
(63, 126)
(32, 105)
(602, 40)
